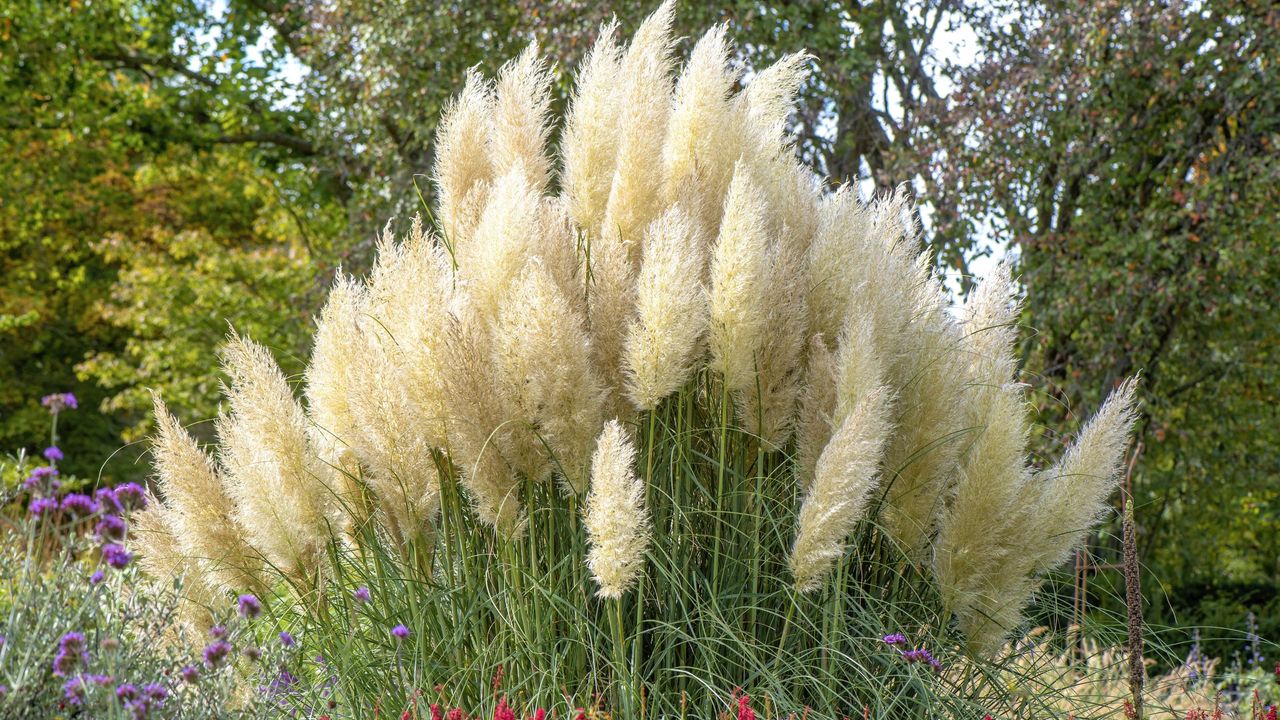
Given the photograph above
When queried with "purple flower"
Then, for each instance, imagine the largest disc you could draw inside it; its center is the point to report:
(71, 654)
(57, 402)
(110, 527)
(252, 653)
(362, 594)
(286, 639)
(131, 496)
(215, 652)
(127, 691)
(895, 639)
(73, 690)
(191, 674)
(79, 504)
(3, 691)
(249, 606)
(42, 506)
(155, 691)
(921, 655)
(96, 577)
(217, 632)
(52, 453)
(116, 556)
(283, 684)
(400, 632)
(106, 498)
(42, 479)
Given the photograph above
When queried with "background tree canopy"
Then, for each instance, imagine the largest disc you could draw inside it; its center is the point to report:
(172, 166)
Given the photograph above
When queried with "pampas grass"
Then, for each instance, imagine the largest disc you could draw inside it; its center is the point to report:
(808, 446)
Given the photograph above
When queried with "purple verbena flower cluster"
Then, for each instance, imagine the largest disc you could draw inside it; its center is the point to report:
(249, 606)
(42, 480)
(57, 402)
(72, 654)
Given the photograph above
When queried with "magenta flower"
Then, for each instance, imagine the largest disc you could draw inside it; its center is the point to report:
(116, 556)
(52, 453)
(42, 479)
(57, 402)
(72, 653)
(42, 506)
(131, 496)
(110, 527)
(249, 606)
(215, 652)
(79, 504)
(400, 632)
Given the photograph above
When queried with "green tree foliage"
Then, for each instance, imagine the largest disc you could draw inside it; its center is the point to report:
(1128, 152)
(152, 169)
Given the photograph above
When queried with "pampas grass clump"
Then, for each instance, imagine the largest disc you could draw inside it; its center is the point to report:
(693, 380)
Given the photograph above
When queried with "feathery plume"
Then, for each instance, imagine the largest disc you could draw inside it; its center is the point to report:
(978, 571)
(543, 363)
(272, 474)
(201, 513)
(843, 481)
(160, 556)
(332, 377)
(463, 168)
(817, 405)
(397, 394)
(509, 233)
(610, 306)
(479, 435)
(589, 147)
(616, 520)
(701, 146)
(635, 197)
(519, 125)
(1074, 492)
(664, 338)
(738, 276)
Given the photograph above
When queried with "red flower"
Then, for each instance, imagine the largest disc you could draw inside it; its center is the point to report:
(436, 713)
(503, 711)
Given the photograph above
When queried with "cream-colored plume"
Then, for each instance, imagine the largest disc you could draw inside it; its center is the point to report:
(543, 362)
(161, 557)
(272, 473)
(616, 520)
(201, 514)
(817, 405)
(463, 167)
(520, 123)
(635, 197)
(702, 143)
(1074, 491)
(843, 481)
(480, 434)
(665, 338)
(589, 147)
(738, 279)
(398, 391)
(332, 379)
(975, 565)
